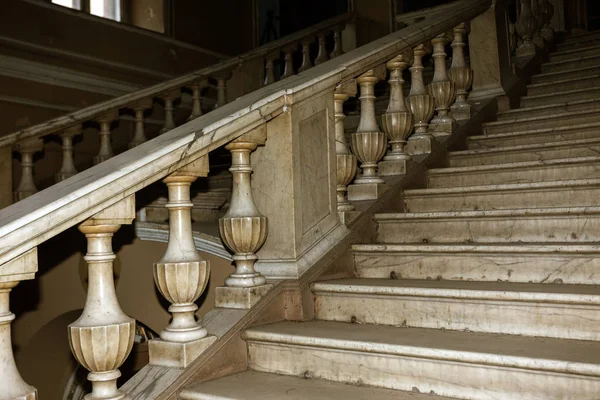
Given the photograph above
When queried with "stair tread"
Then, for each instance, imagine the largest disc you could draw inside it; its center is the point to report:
(560, 355)
(562, 81)
(485, 248)
(512, 165)
(253, 385)
(575, 51)
(557, 105)
(461, 289)
(536, 131)
(531, 146)
(571, 60)
(537, 118)
(593, 68)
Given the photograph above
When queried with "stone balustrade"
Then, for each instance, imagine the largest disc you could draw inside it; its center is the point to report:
(290, 138)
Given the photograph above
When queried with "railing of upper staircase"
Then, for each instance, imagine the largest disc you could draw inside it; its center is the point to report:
(305, 175)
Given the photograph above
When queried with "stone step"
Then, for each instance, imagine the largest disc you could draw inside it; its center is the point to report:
(567, 193)
(252, 385)
(538, 225)
(571, 63)
(518, 172)
(575, 73)
(581, 40)
(521, 263)
(526, 152)
(547, 121)
(592, 49)
(529, 309)
(533, 136)
(562, 85)
(590, 105)
(586, 93)
(464, 365)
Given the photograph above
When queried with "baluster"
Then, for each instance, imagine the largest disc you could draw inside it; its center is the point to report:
(289, 61)
(397, 122)
(222, 88)
(270, 68)
(337, 43)
(419, 101)
(26, 186)
(102, 338)
(181, 275)
(106, 151)
(538, 40)
(243, 229)
(525, 25)
(442, 89)
(68, 166)
(168, 98)
(547, 12)
(139, 136)
(197, 98)
(461, 74)
(346, 161)
(306, 62)
(322, 55)
(368, 143)
(12, 386)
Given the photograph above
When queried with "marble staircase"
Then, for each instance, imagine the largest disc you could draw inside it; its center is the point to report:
(483, 288)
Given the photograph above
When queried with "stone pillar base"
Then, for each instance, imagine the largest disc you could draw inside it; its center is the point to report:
(365, 191)
(394, 167)
(239, 297)
(461, 112)
(421, 145)
(346, 217)
(526, 51)
(442, 129)
(177, 355)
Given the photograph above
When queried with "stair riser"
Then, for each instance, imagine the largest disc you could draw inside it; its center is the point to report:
(497, 199)
(487, 230)
(593, 51)
(562, 321)
(546, 137)
(516, 175)
(562, 98)
(572, 74)
(530, 155)
(481, 267)
(508, 126)
(567, 66)
(454, 379)
(591, 107)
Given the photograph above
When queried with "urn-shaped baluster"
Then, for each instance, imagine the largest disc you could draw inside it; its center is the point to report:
(461, 74)
(526, 26)
(419, 100)
(442, 88)
(346, 161)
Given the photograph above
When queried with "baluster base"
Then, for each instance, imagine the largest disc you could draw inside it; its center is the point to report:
(366, 191)
(418, 145)
(394, 167)
(461, 111)
(526, 50)
(240, 297)
(177, 355)
(444, 126)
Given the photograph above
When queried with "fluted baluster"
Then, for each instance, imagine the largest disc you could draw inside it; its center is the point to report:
(306, 61)
(538, 39)
(27, 186)
(102, 338)
(68, 169)
(12, 385)
(322, 55)
(397, 122)
(222, 88)
(442, 89)
(270, 68)
(197, 98)
(369, 143)
(419, 101)
(337, 43)
(243, 230)
(547, 12)
(461, 74)
(106, 150)
(289, 61)
(346, 161)
(139, 134)
(526, 26)
(169, 98)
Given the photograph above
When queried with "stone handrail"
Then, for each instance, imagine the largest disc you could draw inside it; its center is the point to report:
(303, 166)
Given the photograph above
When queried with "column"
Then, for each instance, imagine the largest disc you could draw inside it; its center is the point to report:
(397, 122)
(461, 74)
(26, 186)
(197, 88)
(322, 55)
(346, 161)
(139, 136)
(168, 98)
(68, 166)
(12, 386)
(526, 26)
(368, 143)
(181, 276)
(243, 229)
(337, 43)
(102, 338)
(106, 151)
(306, 62)
(421, 105)
(289, 61)
(442, 89)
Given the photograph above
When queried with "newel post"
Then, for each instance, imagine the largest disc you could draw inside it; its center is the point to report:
(243, 229)
(102, 338)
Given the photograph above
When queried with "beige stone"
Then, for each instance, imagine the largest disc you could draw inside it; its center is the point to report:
(178, 355)
(240, 297)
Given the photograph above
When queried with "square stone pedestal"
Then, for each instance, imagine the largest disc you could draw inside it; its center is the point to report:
(394, 167)
(346, 217)
(365, 191)
(239, 297)
(461, 112)
(420, 145)
(177, 355)
(526, 51)
(442, 129)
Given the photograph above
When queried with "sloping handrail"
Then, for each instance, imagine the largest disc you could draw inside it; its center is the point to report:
(32, 221)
